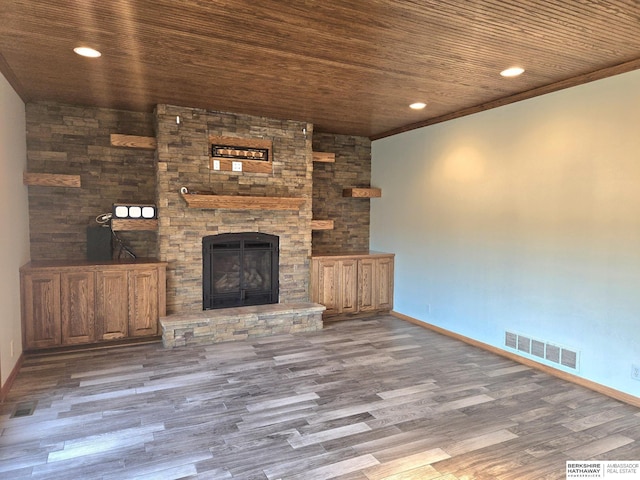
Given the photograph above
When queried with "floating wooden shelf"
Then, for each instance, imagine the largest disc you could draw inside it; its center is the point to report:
(325, 157)
(133, 141)
(321, 224)
(120, 224)
(51, 180)
(239, 202)
(362, 192)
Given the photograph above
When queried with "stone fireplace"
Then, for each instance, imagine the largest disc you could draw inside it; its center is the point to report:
(71, 139)
(183, 150)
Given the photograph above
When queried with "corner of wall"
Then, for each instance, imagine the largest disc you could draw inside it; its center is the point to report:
(14, 236)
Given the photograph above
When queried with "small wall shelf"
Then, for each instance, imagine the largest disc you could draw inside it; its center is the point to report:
(239, 202)
(362, 192)
(51, 180)
(325, 157)
(321, 224)
(133, 141)
(137, 224)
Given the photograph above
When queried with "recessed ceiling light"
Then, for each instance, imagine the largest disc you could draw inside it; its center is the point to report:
(418, 105)
(512, 72)
(87, 52)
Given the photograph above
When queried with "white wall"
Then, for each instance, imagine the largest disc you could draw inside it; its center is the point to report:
(524, 218)
(14, 224)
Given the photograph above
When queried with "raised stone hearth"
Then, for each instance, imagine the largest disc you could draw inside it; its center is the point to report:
(240, 323)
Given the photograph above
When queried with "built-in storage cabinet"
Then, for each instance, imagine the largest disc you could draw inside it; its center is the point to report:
(112, 304)
(375, 284)
(41, 306)
(334, 285)
(352, 284)
(384, 280)
(77, 299)
(143, 303)
(80, 303)
(325, 276)
(348, 285)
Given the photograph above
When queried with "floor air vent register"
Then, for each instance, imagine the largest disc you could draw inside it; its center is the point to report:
(24, 409)
(552, 353)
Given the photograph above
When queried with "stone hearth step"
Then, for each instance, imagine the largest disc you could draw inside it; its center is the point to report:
(240, 323)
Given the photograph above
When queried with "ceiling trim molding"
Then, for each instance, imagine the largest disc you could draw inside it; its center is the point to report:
(5, 69)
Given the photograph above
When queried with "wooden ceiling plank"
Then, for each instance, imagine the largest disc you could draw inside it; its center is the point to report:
(356, 63)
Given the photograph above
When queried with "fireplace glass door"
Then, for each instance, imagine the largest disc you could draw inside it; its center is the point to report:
(239, 269)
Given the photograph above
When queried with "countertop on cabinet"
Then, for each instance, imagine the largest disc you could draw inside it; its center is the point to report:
(89, 264)
(358, 254)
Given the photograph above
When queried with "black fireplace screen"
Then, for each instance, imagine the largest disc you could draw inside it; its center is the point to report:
(239, 269)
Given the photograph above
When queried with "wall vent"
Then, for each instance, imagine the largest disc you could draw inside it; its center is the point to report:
(553, 353)
(537, 348)
(550, 352)
(524, 344)
(569, 358)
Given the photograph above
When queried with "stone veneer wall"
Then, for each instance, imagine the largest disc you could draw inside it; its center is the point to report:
(75, 140)
(352, 168)
(183, 159)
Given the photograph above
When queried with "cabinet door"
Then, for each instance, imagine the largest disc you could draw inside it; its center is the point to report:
(112, 309)
(348, 286)
(367, 285)
(384, 281)
(77, 297)
(143, 302)
(327, 288)
(41, 310)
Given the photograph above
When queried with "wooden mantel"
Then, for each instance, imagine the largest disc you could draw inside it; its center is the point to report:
(240, 202)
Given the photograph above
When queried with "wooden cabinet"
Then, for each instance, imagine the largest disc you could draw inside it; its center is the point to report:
(67, 303)
(335, 285)
(352, 284)
(367, 284)
(77, 297)
(375, 284)
(325, 284)
(348, 285)
(41, 305)
(112, 304)
(143, 302)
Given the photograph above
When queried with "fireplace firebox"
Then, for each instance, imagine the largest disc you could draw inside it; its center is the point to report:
(239, 269)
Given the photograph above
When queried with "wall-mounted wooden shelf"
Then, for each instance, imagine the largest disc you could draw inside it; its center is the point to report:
(321, 224)
(133, 141)
(239, 202)
(119, 224)
(325, 157)
(362, 192)
(51, 180)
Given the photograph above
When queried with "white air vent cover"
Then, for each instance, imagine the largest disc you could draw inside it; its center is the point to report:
(550, 352)
(524, 344)
(537, 348)
(569, 358)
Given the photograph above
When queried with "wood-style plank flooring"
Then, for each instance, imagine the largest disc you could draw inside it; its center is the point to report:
(368, 399)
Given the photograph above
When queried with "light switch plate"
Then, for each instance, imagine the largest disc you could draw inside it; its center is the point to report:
(236, 166)
(216, 164)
